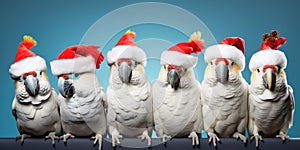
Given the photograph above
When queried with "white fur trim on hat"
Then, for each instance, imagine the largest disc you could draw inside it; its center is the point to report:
(126, 51)
(178, 59)
(28, 64)
(76, 65)
(225, 51)
(267, 57)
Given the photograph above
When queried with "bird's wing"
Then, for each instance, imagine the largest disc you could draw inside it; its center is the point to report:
(14, 108)
(292, 105)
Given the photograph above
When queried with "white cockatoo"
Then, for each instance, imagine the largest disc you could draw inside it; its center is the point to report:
(82, 100)
(176, 93)
(224, 91)
(129, 94)
(35, 104)
(271, 100)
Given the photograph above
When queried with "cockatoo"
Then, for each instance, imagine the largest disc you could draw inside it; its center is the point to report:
(225, 91)
(176, 93)
(82, 100)
(271, 99)
(35, 104)
(129, 92)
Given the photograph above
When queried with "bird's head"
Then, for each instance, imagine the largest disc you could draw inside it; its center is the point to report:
(268, 74)
(65, 84)
(225, 69)
(125, 67)
(174, 73)
(31, 81)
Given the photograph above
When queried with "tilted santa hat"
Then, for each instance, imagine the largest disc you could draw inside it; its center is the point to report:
(231, 48)
(180, 54)
(269, 53)
(127, 48)
(26, 61)
(77, 59)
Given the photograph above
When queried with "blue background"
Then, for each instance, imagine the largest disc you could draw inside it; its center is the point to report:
(59, 24)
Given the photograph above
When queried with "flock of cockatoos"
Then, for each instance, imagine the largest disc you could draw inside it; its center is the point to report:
(175, 105)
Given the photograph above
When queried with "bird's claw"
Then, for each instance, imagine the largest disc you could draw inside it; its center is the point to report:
(97, 138)
(145, 136)
(257, 138)
(65, 137)
(194, 137)
(213, 138)
(240, 136)
(283, 136)
(116, 139)
(165, 138)
(22, 137)
(52, 136)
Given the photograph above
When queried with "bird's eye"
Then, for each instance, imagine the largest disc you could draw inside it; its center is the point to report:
(258, 70)
(39, 73)
(165, 67)
(74, 76)
(134, 63)
(20, 79)
(211, 63)
(232, 63)
(278, 69)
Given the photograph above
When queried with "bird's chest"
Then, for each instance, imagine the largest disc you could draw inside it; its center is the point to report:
(77, 109)
(270, 114)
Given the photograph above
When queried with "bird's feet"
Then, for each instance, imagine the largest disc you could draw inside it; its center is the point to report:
(65, 137)
(257, 138)
(97, 138)
(165, 137)
(52, 136)
(115, 138)
(213, 138)
(283, 136)
(22, 137)
(240, 136)
(145, 136)
(195, 140)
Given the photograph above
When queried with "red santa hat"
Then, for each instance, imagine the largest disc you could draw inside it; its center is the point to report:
(269, 53)
(77, 59)
(180, 54)
(231, 48)
(127, 48)
(26, 61)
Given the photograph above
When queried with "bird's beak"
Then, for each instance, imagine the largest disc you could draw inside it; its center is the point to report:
(222, 72)
(269, 79)
(32, 85)
(125, 72)
(65, 87)
(173, 78)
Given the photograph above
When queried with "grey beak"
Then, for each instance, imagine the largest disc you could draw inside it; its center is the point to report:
(32, 85)
(125, 72)
(173, 78)
(269, 79)
(222, 72)
(65, 87)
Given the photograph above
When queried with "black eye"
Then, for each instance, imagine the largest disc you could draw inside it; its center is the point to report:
(258, 70)
(165, 67)
(211, 63)
(232, 63)
(41, 73)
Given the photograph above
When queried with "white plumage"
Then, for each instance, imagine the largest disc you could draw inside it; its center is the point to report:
(224, 102)
(270, 111)
(129, 105)
(36, 114)
(83, 114)
(177, 112)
